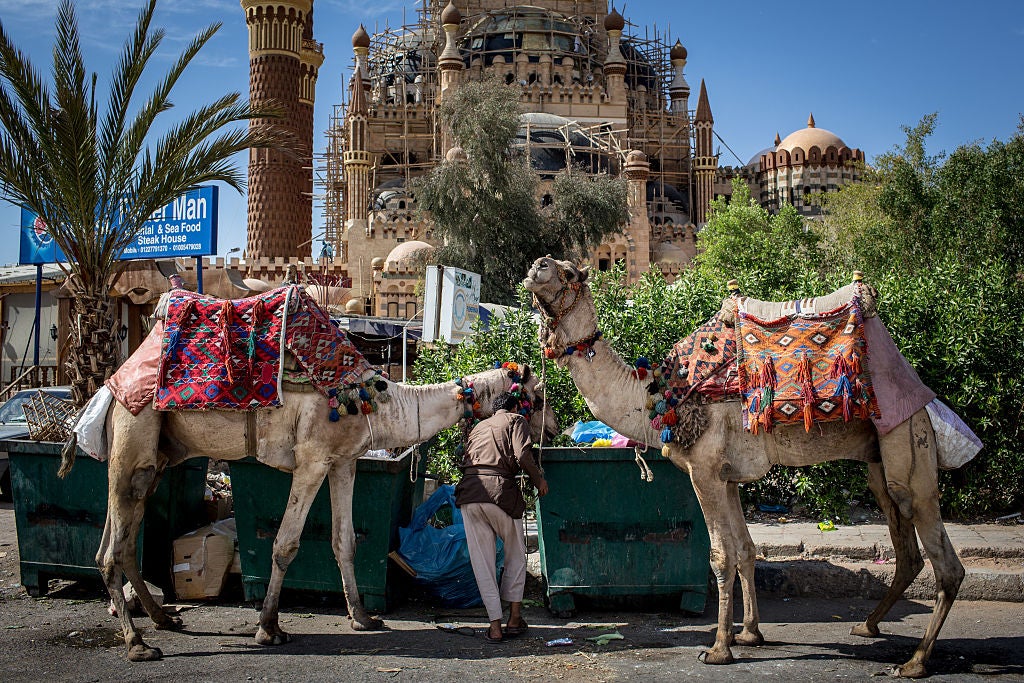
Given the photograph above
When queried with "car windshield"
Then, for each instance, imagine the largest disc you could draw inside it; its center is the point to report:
(11, 411)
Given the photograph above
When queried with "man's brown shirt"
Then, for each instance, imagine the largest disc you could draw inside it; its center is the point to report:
(496, 451)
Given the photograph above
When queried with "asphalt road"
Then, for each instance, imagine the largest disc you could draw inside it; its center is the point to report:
(68, 636)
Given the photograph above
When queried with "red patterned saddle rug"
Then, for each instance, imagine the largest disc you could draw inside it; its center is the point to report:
(227, 354)
(703, 363)
(804, 367)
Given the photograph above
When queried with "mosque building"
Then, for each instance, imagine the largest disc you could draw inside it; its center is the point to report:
(594, 91)
(807, 162)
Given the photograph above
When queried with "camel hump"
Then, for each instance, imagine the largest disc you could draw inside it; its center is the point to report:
(773, 310)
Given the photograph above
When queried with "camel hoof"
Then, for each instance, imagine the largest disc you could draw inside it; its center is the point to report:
(144, 653)
(368, 624)
(910, 670)
(278, 637)
(716, 656)
(749, 638)
(864, 630)
(169, 623)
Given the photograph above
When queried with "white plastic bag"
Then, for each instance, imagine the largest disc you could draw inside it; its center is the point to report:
(955, 443)
(91, 426)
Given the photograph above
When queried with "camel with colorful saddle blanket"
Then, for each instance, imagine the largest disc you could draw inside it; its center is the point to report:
(763, 384)
(314, 421)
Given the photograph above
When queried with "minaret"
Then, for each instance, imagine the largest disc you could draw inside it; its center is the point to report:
(704, 162)
(280, 183)
(679, 89)
(636, 170)
(449, 64)
(311, 58)
(357, 157)
(615, 63)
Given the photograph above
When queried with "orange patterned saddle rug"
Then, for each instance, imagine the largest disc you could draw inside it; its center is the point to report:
(809, 367)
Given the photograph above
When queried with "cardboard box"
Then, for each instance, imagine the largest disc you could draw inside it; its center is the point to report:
(201, 561)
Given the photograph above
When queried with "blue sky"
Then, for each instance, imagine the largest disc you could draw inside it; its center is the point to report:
(864, 68)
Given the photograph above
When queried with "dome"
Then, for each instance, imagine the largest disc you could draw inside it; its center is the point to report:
(677, 52)
(811, 136)
(614, 21)
(354, 307)
(755, 161)
(360, 38)
(451, 14)
(407, 251)
(549, 135)
(377, 263)
(257, 285)
(511, 31)
(636, 156)
(456, 154)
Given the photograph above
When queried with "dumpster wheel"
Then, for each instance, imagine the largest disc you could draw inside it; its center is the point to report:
(558, 611)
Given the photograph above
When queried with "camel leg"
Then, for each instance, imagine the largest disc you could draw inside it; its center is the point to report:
(132, 475)
(746, 554)
(343, 540)
(908, 556)
(310, 470)
(949, 572)
(712, 494)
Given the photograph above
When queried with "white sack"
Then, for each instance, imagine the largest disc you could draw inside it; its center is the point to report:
(91, 425)
(955, 443)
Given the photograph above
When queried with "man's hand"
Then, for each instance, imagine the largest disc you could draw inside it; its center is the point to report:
(542, 488)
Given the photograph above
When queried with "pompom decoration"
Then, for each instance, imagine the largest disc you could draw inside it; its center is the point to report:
(380, 385)
(364, 394)
(666, 451)
(666, 435)
(352, 408)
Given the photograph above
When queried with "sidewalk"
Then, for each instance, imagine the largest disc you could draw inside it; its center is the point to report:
(798, 559)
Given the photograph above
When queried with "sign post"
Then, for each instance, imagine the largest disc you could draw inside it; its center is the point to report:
(451, 303)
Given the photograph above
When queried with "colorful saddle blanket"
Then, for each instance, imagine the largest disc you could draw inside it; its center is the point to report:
(226, 354)
(809, 367)
(703, 363)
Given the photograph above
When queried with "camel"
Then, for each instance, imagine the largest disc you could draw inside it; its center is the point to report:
(725, 455)
(296, 436)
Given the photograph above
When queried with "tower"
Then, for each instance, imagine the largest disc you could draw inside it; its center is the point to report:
(449, 64)
(283, 64)
(679, 90)
(704, 160)
(615, 63)
(357, 158)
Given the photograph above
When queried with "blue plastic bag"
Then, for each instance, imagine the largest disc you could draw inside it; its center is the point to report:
(588, 432)
(440, 557)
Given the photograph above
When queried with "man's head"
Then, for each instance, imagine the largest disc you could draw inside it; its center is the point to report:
(505, 401)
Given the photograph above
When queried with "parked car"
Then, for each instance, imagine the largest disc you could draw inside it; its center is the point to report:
(13, 425)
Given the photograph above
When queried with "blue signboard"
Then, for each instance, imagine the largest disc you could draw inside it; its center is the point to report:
(185, 227)
(37, 246)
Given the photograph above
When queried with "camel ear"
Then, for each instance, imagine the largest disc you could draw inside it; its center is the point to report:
(584, 273)
(526, 373)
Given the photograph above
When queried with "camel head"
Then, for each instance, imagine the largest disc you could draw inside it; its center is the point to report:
(542, 420)
(561, 293)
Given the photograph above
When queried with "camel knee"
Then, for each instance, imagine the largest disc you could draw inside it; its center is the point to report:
(284, 553)
(143, 482)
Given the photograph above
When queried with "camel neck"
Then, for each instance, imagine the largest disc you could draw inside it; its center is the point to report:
(613, 393)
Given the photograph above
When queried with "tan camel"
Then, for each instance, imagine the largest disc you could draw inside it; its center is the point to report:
(296, 436)
(725, 455)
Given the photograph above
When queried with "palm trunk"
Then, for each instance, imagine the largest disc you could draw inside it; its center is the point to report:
(95, 350)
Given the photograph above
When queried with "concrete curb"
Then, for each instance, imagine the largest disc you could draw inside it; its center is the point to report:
(799, 560)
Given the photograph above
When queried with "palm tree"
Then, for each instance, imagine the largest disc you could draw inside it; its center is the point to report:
(93, 176)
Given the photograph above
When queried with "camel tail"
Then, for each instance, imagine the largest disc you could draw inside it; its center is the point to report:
(67, 455)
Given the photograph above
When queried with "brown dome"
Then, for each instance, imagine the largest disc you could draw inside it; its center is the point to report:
(407, 251)
(361, 38)
(456, 154)
(811, 137)
(677, 52)
(451, 14)
(614, 21)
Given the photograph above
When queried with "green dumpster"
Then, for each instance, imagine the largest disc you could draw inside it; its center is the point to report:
(609, 536)
(60, 521)
(383, 500)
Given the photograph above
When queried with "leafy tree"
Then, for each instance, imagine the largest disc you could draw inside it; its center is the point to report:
(941, 238)
(485, 206)
(772, 256)
(88, 172)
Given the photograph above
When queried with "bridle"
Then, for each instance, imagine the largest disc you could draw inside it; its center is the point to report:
(584, 345)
